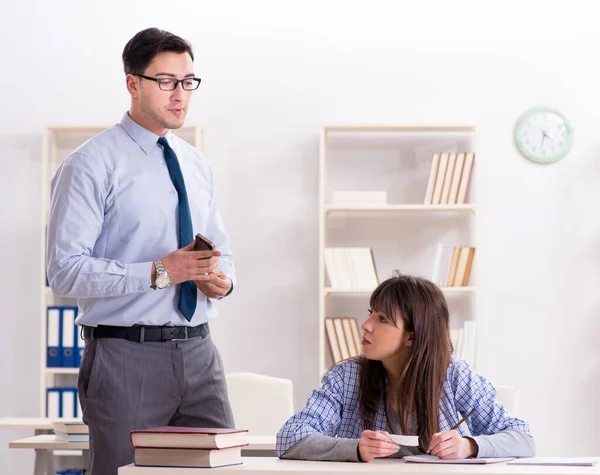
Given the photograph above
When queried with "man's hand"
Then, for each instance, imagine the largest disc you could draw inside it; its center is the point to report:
(186, 264)
(375, 444)
(451, 445)
(217, 286)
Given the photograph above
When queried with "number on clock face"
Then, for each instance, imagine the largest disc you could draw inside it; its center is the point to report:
(543, 135)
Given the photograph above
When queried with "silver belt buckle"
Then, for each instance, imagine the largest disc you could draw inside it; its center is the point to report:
(185, 331)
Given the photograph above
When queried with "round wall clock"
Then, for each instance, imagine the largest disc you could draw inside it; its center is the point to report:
(543, 135)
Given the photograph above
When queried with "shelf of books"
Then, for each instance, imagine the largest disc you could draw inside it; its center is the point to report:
(61, 342)
(395, 198)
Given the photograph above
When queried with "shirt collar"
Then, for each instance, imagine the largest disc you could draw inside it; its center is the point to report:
(143, 137)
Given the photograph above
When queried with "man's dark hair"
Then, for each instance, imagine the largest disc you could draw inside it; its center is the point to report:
(145, 45)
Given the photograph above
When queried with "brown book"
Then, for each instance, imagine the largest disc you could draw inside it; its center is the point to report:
(332, 339)
(465, 178)
(439, 178)
(352, 350)
(197, 458)
(453, 265)
(465, 281)
(448, 179)
(461, 267)
(356, 334)
(341, 338)
(458, 169)
(188, 438)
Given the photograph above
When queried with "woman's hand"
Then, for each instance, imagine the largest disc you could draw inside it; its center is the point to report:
(451, 445)
(374, 444)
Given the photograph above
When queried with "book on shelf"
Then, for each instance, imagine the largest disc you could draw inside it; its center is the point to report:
(449, 178)
(351, 268)
(188, 438)
(464, 341)
(192, 458)
(343, 335)
(453, 265)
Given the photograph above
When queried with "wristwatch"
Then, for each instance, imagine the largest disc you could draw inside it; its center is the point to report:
(162, 278)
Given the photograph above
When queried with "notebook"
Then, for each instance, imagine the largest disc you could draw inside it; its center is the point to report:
(561, 461)
(470, 461)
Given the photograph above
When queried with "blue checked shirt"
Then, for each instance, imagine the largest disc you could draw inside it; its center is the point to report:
(333, 409)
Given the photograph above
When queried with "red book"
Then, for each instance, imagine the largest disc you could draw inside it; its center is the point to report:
(188, 438)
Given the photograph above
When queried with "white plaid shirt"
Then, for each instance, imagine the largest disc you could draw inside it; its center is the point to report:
(333, 409)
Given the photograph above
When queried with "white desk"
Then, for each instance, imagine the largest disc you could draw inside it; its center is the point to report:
(270, 465)
(44, 462)
(35, 423)
(45, 445)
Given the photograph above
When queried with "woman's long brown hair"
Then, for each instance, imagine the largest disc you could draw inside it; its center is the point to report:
(423, 310)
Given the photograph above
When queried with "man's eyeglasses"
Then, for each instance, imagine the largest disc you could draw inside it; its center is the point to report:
(170, 84)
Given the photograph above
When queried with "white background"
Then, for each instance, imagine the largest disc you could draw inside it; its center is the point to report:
(273, 74)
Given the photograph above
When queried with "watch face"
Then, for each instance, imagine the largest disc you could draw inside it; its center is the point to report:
(543, 135)
(162, 281)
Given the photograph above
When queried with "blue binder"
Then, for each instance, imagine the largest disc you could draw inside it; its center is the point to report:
(69, 336)
(53, 337)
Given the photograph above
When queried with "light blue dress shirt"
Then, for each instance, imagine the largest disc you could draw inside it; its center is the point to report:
(113, 211)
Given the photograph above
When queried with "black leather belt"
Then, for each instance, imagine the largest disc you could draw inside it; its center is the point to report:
(141, 333)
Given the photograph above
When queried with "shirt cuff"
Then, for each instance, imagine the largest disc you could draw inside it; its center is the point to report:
(485, 448)
(348, 448)
(139, 277)
(231, 289)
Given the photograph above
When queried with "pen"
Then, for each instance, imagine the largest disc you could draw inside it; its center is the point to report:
(467, 415)
(463, 419)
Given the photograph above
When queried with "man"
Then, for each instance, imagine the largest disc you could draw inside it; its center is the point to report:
(125, 208)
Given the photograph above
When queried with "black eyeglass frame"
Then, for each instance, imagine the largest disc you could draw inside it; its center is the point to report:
(173, 81)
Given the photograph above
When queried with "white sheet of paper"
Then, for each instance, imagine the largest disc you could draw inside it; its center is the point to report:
(470, 461)
(561, 461)
(406, 440)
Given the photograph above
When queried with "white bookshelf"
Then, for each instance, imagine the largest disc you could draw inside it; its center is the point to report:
(402, 232)
(402, 208)
(58, 143)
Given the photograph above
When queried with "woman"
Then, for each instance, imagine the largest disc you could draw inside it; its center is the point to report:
(406, 382)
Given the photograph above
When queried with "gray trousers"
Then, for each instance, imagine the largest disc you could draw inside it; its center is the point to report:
(125, 385)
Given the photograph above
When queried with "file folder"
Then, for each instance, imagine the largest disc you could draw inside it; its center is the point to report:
(53, 334)
(53, 403)
(68, 403)
(68, 337)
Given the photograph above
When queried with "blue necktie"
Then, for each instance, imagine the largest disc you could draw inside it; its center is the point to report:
(189, 291)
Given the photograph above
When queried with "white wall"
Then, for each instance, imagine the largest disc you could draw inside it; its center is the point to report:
(273, 74)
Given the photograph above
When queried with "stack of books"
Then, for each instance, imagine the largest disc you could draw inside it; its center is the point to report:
(344, 337)
(351, 268)
(70, 430)
(453, 265)
(187, 447)
(449, 178)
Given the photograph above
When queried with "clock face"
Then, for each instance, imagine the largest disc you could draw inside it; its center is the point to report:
(543, 135)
